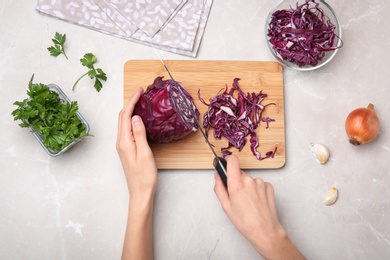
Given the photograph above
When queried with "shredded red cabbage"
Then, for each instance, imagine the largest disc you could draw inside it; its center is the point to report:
(236, 118)
(302, 35)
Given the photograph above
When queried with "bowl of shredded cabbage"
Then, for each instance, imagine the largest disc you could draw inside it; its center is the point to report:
(303, 34)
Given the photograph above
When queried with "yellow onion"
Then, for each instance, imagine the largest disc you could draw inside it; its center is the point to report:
(362, 125)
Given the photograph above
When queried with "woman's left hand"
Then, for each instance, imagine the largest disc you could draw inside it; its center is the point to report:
(134, 151)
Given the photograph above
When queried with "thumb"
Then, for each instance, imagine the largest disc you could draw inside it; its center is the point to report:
(220, 191)
(139, 132)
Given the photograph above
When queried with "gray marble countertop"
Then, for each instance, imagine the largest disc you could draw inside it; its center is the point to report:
(75, 206)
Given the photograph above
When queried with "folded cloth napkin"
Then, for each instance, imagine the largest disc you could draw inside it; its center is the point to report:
(177, 27)
(149, 16)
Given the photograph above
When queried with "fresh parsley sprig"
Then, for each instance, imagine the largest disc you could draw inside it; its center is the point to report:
(49, 116)
(88, 61)
(58, 48)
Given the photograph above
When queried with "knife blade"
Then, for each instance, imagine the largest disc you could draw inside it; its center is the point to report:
(219, 163)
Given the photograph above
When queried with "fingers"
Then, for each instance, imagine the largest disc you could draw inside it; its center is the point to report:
(234, 174)
(128, 110)
(124, 120)
(233, 169)
(138, 128)
(270, 193)
(140, 137)
(220, 191)
(266, 190)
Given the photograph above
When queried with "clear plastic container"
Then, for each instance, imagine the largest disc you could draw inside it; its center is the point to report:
(82, 119)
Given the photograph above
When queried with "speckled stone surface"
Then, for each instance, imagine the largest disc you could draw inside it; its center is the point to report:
(75, 206)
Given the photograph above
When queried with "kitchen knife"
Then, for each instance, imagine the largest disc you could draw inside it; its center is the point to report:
(219, 162)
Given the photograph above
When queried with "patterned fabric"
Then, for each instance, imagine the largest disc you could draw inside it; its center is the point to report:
(171, 25)
(147, 15)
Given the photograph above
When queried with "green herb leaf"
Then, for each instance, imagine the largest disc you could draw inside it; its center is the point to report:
(49, 116)
(88, 61)
(58, 48)
(98, 85)
(54, 50)
(60, 38)
(100, 74)
(92, 74)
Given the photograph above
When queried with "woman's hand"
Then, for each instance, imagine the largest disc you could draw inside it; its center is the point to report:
(134, 151)
(250, 205)
(141, 176)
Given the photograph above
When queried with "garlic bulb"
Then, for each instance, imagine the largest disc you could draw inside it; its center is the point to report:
(321, 152)
(331, 196)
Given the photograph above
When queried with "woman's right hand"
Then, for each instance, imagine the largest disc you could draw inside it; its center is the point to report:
(250, 205)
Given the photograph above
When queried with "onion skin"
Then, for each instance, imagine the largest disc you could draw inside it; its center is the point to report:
(362, 125)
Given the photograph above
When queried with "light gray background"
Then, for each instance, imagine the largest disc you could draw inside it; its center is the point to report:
(75, 206)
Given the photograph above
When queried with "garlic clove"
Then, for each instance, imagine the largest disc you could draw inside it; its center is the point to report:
(331, 196)
(321, 152)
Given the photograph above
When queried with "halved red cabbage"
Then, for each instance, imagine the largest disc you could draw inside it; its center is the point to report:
(236, 117)
(302, 35)
(165, 113)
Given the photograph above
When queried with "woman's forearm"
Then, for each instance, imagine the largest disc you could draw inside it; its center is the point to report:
(138, 242)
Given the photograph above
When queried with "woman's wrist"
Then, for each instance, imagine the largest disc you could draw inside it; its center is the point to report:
(141, 202)
(277, 245)
(138, 240)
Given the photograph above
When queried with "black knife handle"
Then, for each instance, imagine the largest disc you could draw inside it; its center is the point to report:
(219, 169)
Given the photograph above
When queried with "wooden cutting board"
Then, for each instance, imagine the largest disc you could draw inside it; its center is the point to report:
(209, 77)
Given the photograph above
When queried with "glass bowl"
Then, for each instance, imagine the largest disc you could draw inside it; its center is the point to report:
(328, 11)
(39, 138)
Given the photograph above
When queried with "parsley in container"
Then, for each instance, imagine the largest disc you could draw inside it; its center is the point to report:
(53, 119)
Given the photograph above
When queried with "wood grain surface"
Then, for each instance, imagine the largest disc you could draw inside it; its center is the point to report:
(210, 77)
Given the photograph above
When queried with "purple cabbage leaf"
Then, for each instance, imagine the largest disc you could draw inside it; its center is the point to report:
(164, 112)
